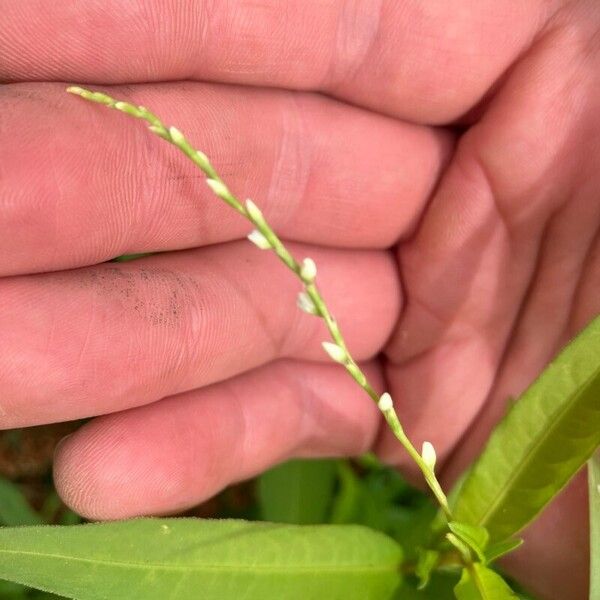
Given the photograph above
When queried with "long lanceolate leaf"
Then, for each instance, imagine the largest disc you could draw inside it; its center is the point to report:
(163, 559)
(544, 440)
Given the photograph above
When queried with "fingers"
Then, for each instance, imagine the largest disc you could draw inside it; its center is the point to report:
(80, 184)
(428, 64)
(172, 454)
(110, 337)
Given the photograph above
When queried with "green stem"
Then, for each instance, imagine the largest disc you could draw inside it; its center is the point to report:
(253, 214)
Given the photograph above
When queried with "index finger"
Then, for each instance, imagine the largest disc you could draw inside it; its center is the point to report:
(421, 61)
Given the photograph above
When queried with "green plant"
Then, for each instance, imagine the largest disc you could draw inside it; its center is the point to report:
(549, 434)
(594, 494)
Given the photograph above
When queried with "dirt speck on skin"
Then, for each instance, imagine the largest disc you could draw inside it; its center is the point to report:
(159, 296)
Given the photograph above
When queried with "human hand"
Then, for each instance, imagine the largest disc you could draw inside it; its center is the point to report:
(494, 255)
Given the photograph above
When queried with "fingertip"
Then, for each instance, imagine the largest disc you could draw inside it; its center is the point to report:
(171, 455)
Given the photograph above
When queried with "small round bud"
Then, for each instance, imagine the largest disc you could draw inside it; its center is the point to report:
(336, 353)
(128, 108)
(308, 270)
(176, 136)
(160, 132)
(385, 402)
(428, 455)
(75, 89)
(254, 212)
(218, 187)
(202, 159)
(306, 304)
(259, 240)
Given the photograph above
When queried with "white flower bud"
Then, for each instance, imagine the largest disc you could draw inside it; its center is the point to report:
(202, 159)
(336, 353)
(176, 136)
(306, 304)
(160, 132)
(254, 212)
(75, 89)
(125, 107)
(259, 240)
(385, 402)
(308, 270)
(428, 455)
(218, 187)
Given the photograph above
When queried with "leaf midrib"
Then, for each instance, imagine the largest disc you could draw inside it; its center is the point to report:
(532, 448)
(480, 585)
(209, 567)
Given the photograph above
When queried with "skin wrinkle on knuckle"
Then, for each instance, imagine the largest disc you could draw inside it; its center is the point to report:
(358, 27)
(315, 412)
(132, 197)
(292, 164)
(18, 208)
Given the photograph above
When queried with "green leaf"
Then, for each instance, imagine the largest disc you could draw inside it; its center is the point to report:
(12, 591)
(382, 500)
(496, 551)
(14, 508)
(544, 440)
(594, 485)
(474, 536)
(346, 502)
(298, 491)
(428, 560)
(440, 587)
(162, 559)
(480, 583)
(463, 548)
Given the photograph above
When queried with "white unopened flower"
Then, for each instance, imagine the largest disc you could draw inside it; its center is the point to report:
(176, 135)
(385, 402)
(160, 132)
(306, 304)
(75, 89)
(218, 187)
(254, 212)
(336, 353)
(258, 239)
(125, 107)
(202, 158)
(428, 455)
(308, 270)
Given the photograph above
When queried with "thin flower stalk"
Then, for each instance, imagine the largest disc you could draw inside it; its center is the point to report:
(310, 299)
